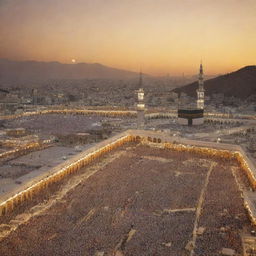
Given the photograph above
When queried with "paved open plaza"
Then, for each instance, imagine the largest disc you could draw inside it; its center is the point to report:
(137, 200)
(56, 124)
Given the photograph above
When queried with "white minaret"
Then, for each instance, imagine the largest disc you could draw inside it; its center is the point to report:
(140, 105)
(200, 90)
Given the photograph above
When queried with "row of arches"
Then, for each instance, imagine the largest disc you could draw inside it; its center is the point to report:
(8, 205)
(84, 160)
(160, 116)
(106, 113)
(149, 139)
(210, 152)
(223, 122)
(23, 149)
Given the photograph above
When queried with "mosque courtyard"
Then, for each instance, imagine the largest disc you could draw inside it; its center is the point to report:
(136, 200)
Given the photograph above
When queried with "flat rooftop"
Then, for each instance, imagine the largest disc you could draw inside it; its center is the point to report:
(25, 168)
(136, 200)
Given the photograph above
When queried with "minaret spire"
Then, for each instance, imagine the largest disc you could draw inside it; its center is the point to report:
(201, 72)
(140, 80)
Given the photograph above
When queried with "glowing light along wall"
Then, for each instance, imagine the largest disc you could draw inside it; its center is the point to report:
(129, 136)
(26, 194)
(211, 152)
(116, 113)
(239, 156)
(107, 113)
(24, 149)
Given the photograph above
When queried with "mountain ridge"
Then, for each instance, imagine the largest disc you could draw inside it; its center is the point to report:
(240, 84)
(38, 71)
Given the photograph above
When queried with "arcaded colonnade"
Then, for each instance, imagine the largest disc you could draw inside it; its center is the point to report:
(211, 149)
(106, 113)
(222, 121)
(228, 116)
(161, 115)
(27, 193)
(24, 149)
(151, 114)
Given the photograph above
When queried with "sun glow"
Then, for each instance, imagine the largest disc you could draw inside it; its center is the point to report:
(165, 36)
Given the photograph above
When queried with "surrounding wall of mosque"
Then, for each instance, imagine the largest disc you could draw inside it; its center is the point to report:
(225, 151)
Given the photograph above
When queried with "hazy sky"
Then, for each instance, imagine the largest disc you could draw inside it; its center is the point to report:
(160, 36)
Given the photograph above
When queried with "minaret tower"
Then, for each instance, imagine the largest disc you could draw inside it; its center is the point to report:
(34, 96)
(140, 105)
(200, 90)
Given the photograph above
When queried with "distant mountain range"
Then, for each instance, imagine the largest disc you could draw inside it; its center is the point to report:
(20, 72)
(240, 84)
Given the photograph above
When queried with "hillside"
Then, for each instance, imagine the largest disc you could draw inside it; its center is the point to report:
(20, 72)
(240, 84)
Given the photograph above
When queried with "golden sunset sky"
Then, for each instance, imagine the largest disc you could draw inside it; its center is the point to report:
(160, 36)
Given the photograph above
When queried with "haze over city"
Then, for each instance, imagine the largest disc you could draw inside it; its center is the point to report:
(164, 36)
(128, 127)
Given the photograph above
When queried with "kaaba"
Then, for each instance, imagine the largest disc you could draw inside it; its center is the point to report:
(190, 116)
